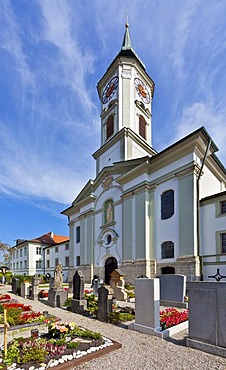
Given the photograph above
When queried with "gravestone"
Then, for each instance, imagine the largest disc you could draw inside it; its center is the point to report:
(117, 283)
(147, 306)
(207, 317)
(95, 285)
(78, 303)
(35, 290)
(172, 290)
(57, 295)
(15, 285)
(105, 300)
(25, 290)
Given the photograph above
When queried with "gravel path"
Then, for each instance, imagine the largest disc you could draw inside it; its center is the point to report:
(139, 351)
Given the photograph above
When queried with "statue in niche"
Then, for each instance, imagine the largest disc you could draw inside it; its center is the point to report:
(58, 278)
(109, 211)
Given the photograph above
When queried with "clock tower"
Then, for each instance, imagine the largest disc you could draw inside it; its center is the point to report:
(125, 92)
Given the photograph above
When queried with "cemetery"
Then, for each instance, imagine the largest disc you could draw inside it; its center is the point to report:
(39, 340)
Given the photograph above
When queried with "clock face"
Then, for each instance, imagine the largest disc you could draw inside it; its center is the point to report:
(142, 90)
(109, 90)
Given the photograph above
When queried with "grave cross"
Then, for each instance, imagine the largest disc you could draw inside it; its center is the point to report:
(217, 276)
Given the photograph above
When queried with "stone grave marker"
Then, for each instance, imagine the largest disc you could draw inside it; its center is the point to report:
(78, 303)
(25, 290)
(117, 283)
(105, 300)
(35, 290)
(95, 285)
(15, 285)
(147, 306)
(172, 290)
(207, 317)
(57, 295)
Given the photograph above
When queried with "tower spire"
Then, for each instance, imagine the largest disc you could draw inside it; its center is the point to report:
(126, 44)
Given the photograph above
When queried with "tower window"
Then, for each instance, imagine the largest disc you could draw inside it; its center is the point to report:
(110, 126)
(167, 249)
(167, 204)
(142, 127)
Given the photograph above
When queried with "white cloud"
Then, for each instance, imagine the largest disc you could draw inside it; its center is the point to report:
(11, 42)
(198, 115)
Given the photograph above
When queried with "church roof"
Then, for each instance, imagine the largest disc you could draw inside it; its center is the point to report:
(126, 49)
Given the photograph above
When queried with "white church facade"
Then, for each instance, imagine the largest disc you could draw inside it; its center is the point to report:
(142, 213)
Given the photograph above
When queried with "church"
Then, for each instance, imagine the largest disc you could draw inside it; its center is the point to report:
(142, 213)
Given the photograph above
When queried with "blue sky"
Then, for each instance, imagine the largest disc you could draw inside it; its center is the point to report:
(53, 53)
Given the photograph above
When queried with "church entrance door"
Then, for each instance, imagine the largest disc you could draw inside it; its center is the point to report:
(110, 265)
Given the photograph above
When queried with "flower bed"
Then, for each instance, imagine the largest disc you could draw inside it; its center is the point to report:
(18, 313)
(64, 341)
(171, 317)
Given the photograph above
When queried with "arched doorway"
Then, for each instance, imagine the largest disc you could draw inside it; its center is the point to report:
(110, 265)
(168, 270)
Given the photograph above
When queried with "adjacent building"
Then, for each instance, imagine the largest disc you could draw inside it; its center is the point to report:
(39, 256)
(146, 213)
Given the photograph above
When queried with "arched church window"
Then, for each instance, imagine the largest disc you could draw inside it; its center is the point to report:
(167, 204)
(77, 260)
(78, 234)
(167, 249)
(142, 127)
(110, 126)
(108, 211)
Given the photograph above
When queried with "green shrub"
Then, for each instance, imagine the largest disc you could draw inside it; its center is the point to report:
(67, 303)
(117, 317)
(73, 345)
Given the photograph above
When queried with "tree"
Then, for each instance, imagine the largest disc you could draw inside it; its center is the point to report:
(4, 246)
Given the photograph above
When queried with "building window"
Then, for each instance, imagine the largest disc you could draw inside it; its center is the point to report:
(110, 126)
(25, 251)
(17, 265)
(56, 249)
(78, 234)
(78, 261)
(142, 127)
(167, 249)
(67, 261)
(20, 252)
(223, 243)
(21, 266)
(67, 247)
(38, 250)
(47, 264)
(167, 204)
(16, 254)
(108, 211)
(47, 252)
(223, 206)
(56, 261)
(25, 264)
(38, 264)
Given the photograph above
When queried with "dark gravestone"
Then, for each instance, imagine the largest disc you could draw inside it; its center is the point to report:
(105, 301)
(15, 285)
(78, 285)
(78, 303)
